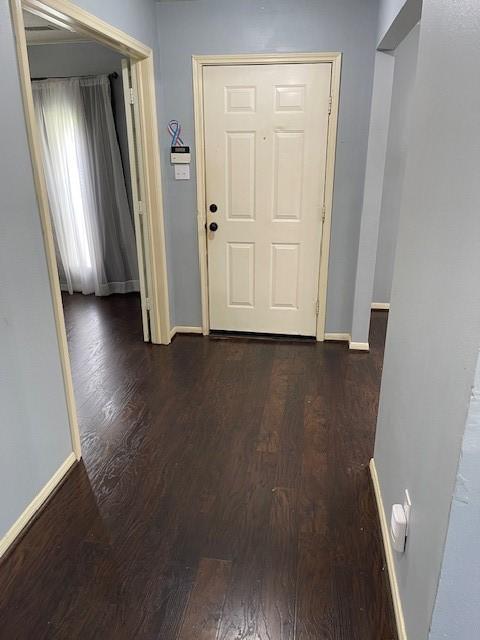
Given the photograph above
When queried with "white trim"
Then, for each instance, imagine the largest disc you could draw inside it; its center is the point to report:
(198, 62)
(137, 184)
(157, 271)
(267, 58)
(73, 18)
(381, 306)
(34, 506)
(344, 337)
(185, 329)
(358, 346)
(387, 547)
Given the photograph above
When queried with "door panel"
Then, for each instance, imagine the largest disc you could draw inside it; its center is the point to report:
(240, 274)
(284, 273)
(240, 178)
(138, 187)
(288, 174)
(265, 152)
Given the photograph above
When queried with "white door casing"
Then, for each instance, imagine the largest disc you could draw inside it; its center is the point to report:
(130, 91)
(266, 134)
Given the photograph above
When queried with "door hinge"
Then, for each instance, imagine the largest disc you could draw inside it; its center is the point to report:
(324, 212)
(330, 100)
(148, 304)
(132, 96)
(317, 307)
(141, 210)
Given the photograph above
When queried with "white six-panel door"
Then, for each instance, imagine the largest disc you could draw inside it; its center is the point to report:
(265, 157)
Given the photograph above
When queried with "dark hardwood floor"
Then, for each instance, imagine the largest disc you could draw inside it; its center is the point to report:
(223, 494)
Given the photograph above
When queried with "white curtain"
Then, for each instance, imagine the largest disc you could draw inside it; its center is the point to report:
(93, 227)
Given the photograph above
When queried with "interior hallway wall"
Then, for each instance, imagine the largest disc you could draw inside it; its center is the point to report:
(372, 198)
(434, 326)
(80, 59)
(397, 146)
(400, 26)
(396, 19)
(457, 615)
(34, 429)
(388, 11)
(255, 26)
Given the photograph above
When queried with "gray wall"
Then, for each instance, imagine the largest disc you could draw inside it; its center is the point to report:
(434, 327)
(34, 432)
(226, 26)
(135, 17)
(86, 58)
(388, 11)
(401, 22)
(372, 197)
(457, 615)
(403, 85)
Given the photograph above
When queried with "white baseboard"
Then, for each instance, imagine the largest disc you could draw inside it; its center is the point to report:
(20, 524)
(335, 337)
(184, 329)
(387, 547)
(385, 306)
(358, 346)
(344, 337)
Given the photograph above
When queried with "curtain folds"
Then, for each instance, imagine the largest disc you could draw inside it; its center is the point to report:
(93, 227)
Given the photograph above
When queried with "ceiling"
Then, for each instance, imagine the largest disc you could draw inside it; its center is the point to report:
(40, 31)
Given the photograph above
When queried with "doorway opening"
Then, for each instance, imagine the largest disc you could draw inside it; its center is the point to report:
(82, 121)
(91, 119)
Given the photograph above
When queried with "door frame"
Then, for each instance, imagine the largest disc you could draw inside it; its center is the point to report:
(71, 17)
(198, 64)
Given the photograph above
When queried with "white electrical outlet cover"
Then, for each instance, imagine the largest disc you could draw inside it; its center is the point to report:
(407, 506)
(182, 172)
(398, 528)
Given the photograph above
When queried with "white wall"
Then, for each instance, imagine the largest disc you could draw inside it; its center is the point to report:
(397, 146)
(227, 26)
(434, 326)
(457, 615)
(34, 431)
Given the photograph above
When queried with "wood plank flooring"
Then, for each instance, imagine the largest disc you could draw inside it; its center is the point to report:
(223, 495)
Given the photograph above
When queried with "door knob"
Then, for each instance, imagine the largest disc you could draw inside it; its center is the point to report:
(213, 226)
(213, 208)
